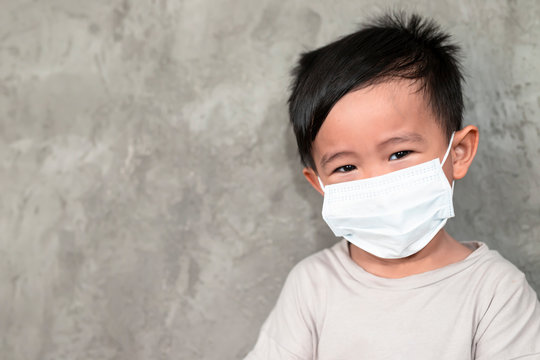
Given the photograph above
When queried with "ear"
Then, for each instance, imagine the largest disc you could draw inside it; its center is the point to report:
(313, 179)
(464, 146)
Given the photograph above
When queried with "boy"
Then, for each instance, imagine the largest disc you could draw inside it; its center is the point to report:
(377, 117)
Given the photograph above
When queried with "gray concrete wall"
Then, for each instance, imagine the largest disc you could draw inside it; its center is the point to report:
(152, 201)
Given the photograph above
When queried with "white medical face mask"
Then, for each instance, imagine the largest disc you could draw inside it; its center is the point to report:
(394, 215)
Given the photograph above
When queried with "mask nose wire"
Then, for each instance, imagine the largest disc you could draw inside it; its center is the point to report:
(448, 150)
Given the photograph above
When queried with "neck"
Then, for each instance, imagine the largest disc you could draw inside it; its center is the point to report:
(442, 250)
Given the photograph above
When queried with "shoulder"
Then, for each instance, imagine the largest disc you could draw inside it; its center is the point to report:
(508, 323)
(496, 271)
(495, 280)
(313, 277)
(319, 266)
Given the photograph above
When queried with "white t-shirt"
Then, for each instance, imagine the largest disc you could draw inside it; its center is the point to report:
(331, 309)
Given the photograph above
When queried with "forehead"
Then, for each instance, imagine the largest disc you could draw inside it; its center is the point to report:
(371, 114)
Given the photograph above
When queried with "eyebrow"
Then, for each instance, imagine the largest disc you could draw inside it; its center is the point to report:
(407, 137)
(326, 158)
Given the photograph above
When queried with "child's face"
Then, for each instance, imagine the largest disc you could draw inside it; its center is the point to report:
(377, 130)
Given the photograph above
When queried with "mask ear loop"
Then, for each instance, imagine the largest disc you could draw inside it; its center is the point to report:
(320, 183)
(448, 150)
(446, 156)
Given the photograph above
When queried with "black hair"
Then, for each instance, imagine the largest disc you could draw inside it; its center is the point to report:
(392, 46)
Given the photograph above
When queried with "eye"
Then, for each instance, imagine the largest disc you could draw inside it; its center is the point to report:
(398, 155)
(345, 168)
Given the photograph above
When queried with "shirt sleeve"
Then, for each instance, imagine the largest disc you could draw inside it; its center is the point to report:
(510, 327)
(288, 332)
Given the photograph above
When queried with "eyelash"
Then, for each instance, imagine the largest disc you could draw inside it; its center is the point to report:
(342, 168)
(402, 152)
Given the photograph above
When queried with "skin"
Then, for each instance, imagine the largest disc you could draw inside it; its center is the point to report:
(380, 129)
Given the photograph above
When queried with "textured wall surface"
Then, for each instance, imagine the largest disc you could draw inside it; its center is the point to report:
(152, 201)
